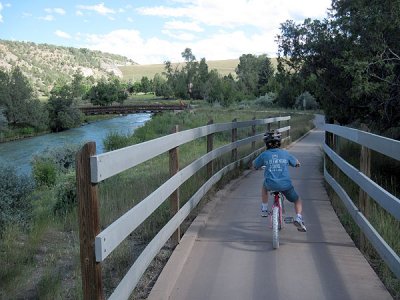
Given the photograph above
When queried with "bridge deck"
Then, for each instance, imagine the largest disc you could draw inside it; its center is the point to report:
(227, 253)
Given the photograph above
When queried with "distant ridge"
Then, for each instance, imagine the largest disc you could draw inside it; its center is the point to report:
(44, 64)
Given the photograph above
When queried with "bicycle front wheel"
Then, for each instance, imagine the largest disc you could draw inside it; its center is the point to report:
(275, 227)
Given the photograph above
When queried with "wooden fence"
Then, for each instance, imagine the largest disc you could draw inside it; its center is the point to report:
(368, 188)
(95, 246)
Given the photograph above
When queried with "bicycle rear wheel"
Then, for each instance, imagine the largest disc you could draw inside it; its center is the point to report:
(275, 227)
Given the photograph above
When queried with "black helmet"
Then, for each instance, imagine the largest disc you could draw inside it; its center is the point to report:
(272, 139)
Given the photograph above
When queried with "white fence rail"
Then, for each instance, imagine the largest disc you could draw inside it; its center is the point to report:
(389, 202)
(96, 245)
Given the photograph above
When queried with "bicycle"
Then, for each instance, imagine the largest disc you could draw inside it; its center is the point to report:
(277, 217)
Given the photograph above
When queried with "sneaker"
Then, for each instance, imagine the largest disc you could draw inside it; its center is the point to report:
(264, 210)
(299, 223)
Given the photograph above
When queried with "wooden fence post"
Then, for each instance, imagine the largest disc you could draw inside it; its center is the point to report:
(210, 146)
(363, 198)
(253, 133)
(289, 140)
(174, 201)
(89, 224)
(234, 139)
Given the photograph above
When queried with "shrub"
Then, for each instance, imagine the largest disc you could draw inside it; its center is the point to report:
(15, 206)
(115, 140)
(63, 158)
(267, 100)
(66, 197)
(44, 172)
(306, 101)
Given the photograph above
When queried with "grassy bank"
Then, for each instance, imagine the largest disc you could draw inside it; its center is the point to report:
(41, 259)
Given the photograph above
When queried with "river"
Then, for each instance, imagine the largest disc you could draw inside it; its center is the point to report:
(19, 153)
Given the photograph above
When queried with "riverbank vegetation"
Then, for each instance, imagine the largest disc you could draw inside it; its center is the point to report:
(40, 250)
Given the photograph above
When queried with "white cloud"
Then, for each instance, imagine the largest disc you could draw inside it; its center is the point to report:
(47, 18)
(56, 10)
(222, 45)
(79, 13)
(179, 25)
(183, 36)
(1, 16)
(259, 13)
(223, 30)
(62, 34)
(99, 8)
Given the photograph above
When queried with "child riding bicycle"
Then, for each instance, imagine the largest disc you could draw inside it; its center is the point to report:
(276, 176)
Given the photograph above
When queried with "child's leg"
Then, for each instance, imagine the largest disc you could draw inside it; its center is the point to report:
(264, 201)
(298, 207)
(264, 195)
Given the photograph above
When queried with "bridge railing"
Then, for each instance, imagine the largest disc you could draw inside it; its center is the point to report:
(95, 246)
(368, 187)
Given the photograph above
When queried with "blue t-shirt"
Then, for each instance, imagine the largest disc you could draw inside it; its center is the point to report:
(276, 174)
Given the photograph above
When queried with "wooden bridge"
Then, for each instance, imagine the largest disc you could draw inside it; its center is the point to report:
(227, 253)
(131, 109)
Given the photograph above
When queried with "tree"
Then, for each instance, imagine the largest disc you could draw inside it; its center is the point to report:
(106, 92)
(355, 58)
(200, 80)
(63, 114)
(146, 84)
(78, 86)
(20, 92)
(253, 73)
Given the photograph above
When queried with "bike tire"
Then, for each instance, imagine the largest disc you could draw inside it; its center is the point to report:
(275, 227)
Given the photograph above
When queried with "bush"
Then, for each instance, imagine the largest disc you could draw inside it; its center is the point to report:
(115, 140)
(66, 197)
(44, 172)
(267, 100)
(63, 158)
(306, 101)
(15, 206)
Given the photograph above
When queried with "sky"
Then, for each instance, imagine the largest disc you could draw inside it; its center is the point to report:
(152, 32)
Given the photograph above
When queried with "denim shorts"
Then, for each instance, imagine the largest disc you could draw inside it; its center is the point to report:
(289, 194)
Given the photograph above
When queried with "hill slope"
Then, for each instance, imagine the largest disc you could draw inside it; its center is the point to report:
(44, 64)
(136, 72)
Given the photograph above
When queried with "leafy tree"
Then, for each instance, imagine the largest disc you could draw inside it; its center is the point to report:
(78, 86)
(254, 73)
(20, 92)
(354, 56)
(145, 84)
(214, 88)
(63, 114)
(106, 92)
(161, 87)
(200, 80)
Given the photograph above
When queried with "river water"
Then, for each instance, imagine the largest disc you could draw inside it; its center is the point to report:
(19, 153)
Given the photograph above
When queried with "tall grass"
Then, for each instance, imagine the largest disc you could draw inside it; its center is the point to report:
(385, 172)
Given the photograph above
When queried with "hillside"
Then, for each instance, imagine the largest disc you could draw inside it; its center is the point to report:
(44, 64)
(136, 72)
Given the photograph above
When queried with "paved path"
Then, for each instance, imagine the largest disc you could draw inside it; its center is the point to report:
(228, 254)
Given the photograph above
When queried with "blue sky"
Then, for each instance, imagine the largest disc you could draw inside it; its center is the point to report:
(155, 31)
